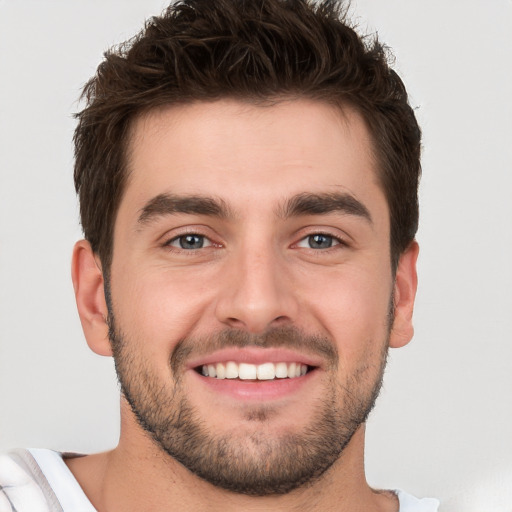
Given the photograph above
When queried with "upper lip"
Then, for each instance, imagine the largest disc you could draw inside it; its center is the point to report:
(255, 355)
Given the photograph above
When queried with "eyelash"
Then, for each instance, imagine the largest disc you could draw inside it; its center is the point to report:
(176, 239)
(335, 242)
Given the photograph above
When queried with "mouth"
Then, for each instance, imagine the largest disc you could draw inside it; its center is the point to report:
(265, 371)
(257, 374)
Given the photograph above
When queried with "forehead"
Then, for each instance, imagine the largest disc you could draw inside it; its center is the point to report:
(250, 154)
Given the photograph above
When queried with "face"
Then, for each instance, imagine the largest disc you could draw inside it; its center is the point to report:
(251, 288)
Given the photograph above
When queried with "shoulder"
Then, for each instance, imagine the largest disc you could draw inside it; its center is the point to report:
(409, 503)
(23, 486)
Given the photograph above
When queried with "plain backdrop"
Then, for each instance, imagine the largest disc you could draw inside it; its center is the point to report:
(443, 424)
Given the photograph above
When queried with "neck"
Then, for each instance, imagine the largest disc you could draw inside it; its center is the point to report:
(138, 476)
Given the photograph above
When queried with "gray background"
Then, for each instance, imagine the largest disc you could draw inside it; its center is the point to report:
(443, 426)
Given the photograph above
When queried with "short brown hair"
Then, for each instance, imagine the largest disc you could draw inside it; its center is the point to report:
(253, 50)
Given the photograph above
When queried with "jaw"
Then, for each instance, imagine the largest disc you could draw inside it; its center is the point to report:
(285, 433)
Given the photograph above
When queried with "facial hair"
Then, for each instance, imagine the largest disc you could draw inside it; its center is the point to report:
(255, 463)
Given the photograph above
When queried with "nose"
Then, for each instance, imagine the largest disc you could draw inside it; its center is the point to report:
(257, 292)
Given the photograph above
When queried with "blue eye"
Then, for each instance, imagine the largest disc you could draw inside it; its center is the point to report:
(318, 241)
(190, 242)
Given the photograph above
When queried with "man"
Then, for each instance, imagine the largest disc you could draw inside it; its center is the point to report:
(247, 175)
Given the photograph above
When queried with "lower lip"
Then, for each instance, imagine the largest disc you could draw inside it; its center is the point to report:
(256, 390)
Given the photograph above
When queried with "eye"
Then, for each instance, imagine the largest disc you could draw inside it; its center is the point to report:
(319, 241)
(189, 242)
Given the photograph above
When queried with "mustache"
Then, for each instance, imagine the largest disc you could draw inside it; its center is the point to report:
(277, 337)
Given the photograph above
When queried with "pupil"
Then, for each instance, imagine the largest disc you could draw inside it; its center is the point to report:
(191, 242)
(320, 241)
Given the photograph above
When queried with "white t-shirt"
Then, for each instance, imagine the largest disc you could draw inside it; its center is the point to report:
(38, 480)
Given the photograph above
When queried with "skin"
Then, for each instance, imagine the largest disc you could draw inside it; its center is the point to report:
(256, 272)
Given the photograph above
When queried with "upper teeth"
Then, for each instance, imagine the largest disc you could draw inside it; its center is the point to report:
(246, 371)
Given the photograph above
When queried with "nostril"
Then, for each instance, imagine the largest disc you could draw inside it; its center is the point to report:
(280, 322)
(234, 321)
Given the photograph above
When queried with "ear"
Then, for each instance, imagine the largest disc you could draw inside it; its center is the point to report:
(406, 283)
(88, 283)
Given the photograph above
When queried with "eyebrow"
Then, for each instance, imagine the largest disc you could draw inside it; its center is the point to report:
(300, 204)
(323, 204)
(170, 204)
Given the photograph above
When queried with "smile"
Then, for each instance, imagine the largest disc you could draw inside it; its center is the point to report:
(247, 371)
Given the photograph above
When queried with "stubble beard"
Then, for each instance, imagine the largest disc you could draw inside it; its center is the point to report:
(255, 463)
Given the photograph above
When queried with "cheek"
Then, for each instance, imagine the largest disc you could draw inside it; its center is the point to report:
(159, 308)
(354, 310)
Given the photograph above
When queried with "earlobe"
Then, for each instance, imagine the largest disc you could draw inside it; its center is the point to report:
(406, 283)
(90, 297)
